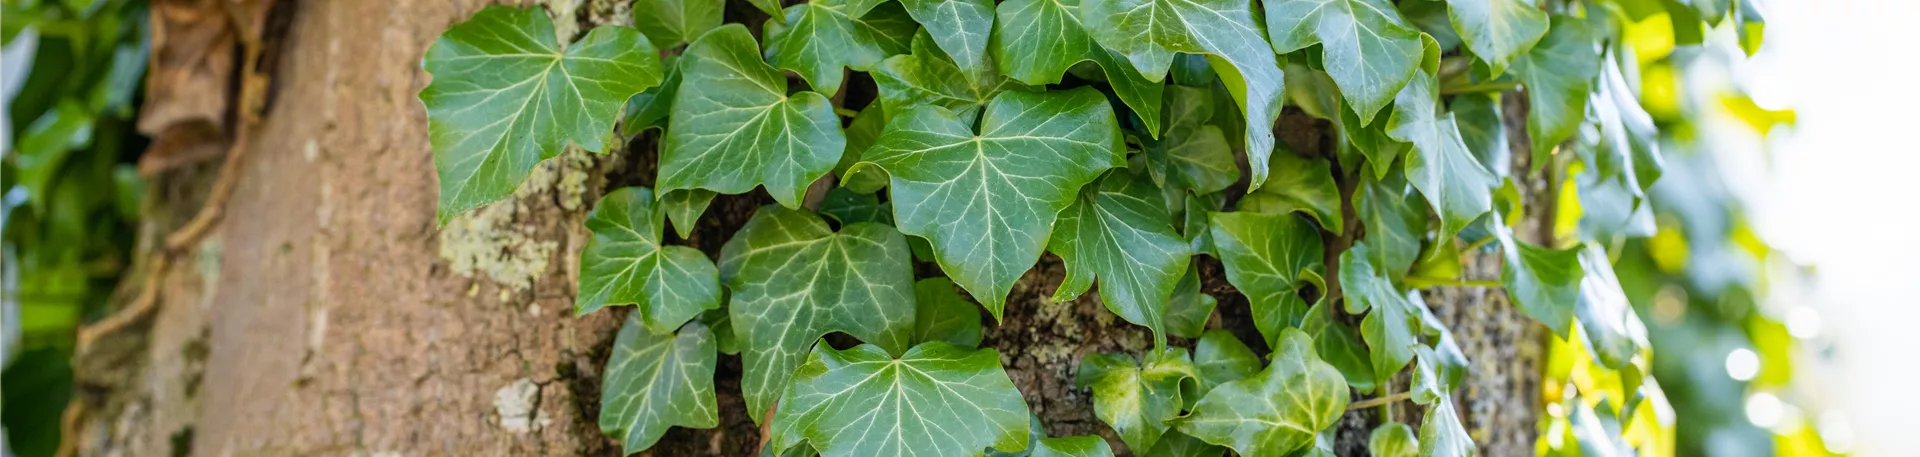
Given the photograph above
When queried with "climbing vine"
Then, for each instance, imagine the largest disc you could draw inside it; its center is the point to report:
(1125, 137)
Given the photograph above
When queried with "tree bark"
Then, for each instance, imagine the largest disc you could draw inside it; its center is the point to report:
(326, 314)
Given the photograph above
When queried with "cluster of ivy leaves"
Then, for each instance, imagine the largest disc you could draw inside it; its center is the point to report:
(71, 195)
(1111, 133)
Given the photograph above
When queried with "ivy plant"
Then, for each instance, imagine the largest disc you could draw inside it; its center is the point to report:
(923, 155)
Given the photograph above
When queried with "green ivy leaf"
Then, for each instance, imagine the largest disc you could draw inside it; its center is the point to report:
(1430, 16)
(1459, 189)
(1189, 309)
(1369, 50)
(1120, 232)
(794, 280)
(1221, 358)
(936, 398)
(1558, 74)
(652, 107)
(1395, 222)
(1303, 184)
(1613, 331)
(735, 127)
(1073, 446)
(1483, 130)
(684, 207)
(1441, 433)
(987, 202)
(1543, 282)
(670, 23)
(1176, 444)
(928, 77)
(1137, 398)
(655, 381)
(625, 263)
(1035, 41)
(1751, 25)
(505, 96)
(961, 27)
(721, 324)
(1035, 432)
(1392, 325)
(817, 39)
(1267, 257)
(861, 134)
(1190, 153)
(1340, 345)
(1371, 141)
(1498, 31)
(1277, 411)
(942, 315)
(1393, 439)
(849, 207)
(1149, 32)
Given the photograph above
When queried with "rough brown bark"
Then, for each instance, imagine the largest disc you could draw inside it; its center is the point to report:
(328, 315)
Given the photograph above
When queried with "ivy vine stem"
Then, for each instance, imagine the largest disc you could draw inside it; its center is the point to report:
(1379, 401)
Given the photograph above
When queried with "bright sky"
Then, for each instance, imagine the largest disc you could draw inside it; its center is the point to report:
(1843, 194)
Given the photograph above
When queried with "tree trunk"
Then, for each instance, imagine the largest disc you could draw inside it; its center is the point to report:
(326, 314)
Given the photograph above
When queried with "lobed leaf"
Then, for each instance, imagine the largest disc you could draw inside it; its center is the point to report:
(1454, 183)
(819, 39)
(655, 381)
(794, 280)
(1136, 398)
(735, 127)
(670, 23)
(1543, 282)
(1368, 49)
(1391, 328)
(1119, 231)
(1497, 31)
(506, 96)
(935, 399)
(1277, 411)
(1073, 446)
(961, 27)
(1036, 41)
(1268, 257)
(928, 77)
(1558, 74)
(1299, 184)
(626, 263)
(987, 202)
(942, 315)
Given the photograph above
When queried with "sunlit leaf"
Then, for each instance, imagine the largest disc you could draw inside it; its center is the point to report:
(1221, 358)
(1558, 74)
(1268, 258)
(1136, 398)
(960, 27)
(1393, 439)
(819, 39)
(670, 23)
(655, 381)
(1448, 175)
(1543, 282)
(1036, 41)
(1392, 326)
(928, 77)
(1369, 50)
(1119, 231)
(1073, 446)
(1498, 31)
(1299, 184)
(1278, 410)
(506, 96)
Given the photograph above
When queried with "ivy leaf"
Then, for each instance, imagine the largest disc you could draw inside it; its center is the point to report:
(1483, 130)
(1430, 16)
(1277, 411)
(655, 381)
(1393, 439)
(1751, 25)
(1340, 345)
(795, 280)
(1372, 141)
(928, 77)
(771, 7)
(1149, 32)
(721, 324)
(1035, 41)
(670, 23)
(1120, 232)
(1073, 446)
(1613, 331)
(625, 263)
(1302, 184)
(735, 127)
(942, 315)
(1498, 31)
(1267, 257)
(1394, 224)
(862, 132)
(961, 27)
(817, 39)
(505, 96)
(848, 207)
(1368, 49)
(1392, 327)
(936, 398)
(1441, 433)
(1459, 189)
(684, 207)
(1191, 154)
(1176, 444)
(651, 108)
(1558, 74)
(1543, 282)
(1189, 309)
(1136, 398)
(1221, 358)
(1035, 432)
(988, 201)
